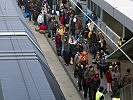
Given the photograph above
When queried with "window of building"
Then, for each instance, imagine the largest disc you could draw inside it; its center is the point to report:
(98, 11)
(115, 25)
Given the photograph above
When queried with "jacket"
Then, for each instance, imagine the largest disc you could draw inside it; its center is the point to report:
(62, 19)
(90, 26)
(95, 83)
(108, 77)
(58, 39)
(99, 95)
(40, 19)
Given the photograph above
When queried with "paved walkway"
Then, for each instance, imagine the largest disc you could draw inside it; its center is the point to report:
(65, 83)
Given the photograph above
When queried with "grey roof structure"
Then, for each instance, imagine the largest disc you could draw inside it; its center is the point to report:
(119, 9)
(24, 72)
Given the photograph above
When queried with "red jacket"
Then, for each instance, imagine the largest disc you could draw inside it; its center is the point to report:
(108, 77)
(58, 39)
(62, 20)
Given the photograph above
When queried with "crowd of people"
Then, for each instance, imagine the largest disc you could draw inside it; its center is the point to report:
(74, 41)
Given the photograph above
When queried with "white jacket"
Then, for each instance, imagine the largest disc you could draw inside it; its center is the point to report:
(40, 18)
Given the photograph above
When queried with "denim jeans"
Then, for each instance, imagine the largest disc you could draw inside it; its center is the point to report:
(52, 33)
(54, 7)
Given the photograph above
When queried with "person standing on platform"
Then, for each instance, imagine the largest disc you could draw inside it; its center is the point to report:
(66, 52)
(95, 84)
(58, 43)
(40, 19)
(108, 76)
(88, 76)
(93, 16)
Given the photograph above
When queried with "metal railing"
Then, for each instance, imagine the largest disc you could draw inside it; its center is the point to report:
(126, 92)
